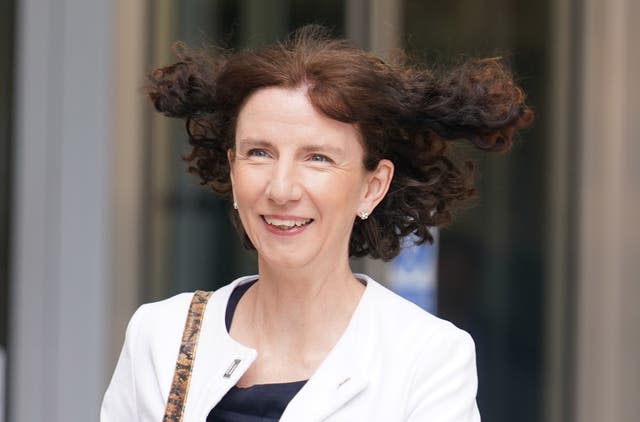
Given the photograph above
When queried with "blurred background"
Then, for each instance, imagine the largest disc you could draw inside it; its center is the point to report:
(97, 215)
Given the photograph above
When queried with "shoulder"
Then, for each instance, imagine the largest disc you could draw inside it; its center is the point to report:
(171, 304)
(156, 326)
(404, 319)
(428, 343)
(437, 358)
(161, 314)
(165, 319)
(148, 354)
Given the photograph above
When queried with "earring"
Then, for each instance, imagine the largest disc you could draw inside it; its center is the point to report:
(364, 215)
(235, 205)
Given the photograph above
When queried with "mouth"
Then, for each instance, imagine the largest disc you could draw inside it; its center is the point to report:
(286, 223)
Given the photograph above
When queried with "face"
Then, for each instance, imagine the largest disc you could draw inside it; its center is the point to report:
(298, 179)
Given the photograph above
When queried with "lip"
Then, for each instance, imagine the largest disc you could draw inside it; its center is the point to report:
(288, 232)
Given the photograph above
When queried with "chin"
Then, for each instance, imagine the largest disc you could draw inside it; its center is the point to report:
(285, 261)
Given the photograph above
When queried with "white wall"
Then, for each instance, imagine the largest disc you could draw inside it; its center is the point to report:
(61, 256)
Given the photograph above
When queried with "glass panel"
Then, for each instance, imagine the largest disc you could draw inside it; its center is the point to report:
(491, 279)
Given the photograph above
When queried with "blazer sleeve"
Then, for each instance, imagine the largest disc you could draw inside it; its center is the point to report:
(120, 400)
(445, 380)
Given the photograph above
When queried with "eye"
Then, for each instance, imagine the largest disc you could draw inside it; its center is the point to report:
(319, 158)
(257, 153)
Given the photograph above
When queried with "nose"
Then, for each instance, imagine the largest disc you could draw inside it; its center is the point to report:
(284, 184)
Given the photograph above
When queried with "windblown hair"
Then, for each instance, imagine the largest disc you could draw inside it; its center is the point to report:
(404, 112)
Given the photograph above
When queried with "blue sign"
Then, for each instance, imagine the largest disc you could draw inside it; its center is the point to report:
(413, 273)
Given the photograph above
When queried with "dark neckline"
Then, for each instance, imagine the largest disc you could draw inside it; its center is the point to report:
(258, 402)
(232, 304)
(234, 299)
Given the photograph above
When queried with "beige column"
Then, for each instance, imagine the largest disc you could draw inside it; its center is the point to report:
(560, 213)
(129, 60)
(162, 33)
(385, 28)
(607, 372)
(357, 22)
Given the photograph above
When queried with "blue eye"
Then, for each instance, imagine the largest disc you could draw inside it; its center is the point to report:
(319, 158)
(257, 153)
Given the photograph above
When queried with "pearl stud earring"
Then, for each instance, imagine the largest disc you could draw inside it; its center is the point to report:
(364, 215)
(235, 205)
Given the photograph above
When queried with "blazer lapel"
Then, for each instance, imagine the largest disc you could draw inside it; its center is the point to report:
(323, 395)
(220, 361)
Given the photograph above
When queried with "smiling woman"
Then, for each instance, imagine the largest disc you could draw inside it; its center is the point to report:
(304, 178)
(325, 152)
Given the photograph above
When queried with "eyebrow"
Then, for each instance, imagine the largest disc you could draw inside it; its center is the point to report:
(322, 148)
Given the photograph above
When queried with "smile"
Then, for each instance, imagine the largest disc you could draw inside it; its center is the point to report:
(286, 223)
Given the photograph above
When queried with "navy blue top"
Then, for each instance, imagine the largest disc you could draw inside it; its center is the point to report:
(260, 402)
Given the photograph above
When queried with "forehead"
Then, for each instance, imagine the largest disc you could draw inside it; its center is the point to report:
(277, 114)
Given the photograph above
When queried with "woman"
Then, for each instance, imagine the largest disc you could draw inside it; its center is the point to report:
(325, 152)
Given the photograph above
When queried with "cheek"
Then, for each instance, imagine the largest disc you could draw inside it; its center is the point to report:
(247, 183)
(339, 191)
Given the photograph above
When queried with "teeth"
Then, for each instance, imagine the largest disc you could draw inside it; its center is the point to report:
(286, 224)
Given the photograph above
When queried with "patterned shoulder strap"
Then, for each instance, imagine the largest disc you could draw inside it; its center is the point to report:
(184, 364)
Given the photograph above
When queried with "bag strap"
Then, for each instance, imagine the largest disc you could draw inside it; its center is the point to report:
(184, 364)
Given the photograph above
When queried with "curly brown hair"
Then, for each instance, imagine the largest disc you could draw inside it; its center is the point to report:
(405, 112)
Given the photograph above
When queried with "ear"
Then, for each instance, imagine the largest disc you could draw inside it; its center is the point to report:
(378, 182)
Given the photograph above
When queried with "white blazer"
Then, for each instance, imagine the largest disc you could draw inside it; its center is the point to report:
(394, 362)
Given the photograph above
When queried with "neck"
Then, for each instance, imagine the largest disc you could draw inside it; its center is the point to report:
(303, 307)
(303, 290)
